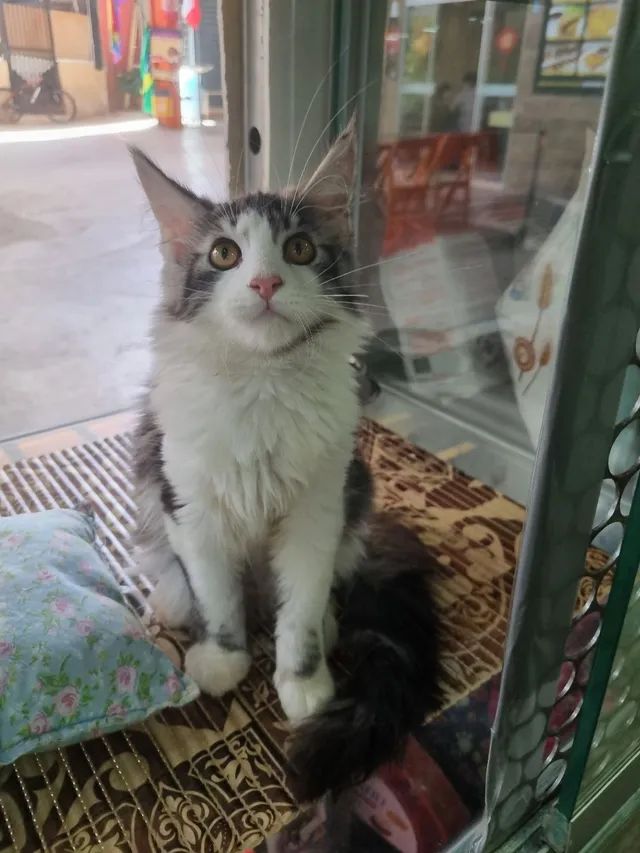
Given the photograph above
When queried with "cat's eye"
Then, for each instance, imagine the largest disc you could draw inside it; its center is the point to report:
(299, 250)
(225, 254)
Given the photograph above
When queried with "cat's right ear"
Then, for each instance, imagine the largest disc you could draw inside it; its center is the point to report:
(176, 209)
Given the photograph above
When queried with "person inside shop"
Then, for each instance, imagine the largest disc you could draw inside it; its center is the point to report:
(443, 118)
(463, 104)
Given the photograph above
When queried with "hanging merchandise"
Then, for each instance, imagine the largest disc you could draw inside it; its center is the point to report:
(191, 13)
(165, 57)
(164, 13)
(531, 310)
(113, 24)
(146, 79)
(166, 54)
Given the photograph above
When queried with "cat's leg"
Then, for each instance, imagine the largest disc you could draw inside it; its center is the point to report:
(350, 552)
(219, 659)
(358, 501)
(171, 599)
(331, 629)
(304, 562)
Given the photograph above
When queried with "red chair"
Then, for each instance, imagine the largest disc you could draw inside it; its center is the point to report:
(404, 172)
(425, 184)
(449, 191)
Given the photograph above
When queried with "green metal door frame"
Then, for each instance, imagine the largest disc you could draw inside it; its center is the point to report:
(598, 342)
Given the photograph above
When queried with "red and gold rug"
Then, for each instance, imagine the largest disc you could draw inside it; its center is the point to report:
(212, 777)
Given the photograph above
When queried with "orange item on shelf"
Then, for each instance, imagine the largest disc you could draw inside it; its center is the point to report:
(412, 805)
(166, 104)
(164, 13)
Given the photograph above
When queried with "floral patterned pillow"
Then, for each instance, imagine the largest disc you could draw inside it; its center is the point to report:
(74, 659)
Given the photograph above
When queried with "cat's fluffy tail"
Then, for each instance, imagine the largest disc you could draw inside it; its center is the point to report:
(389, 635)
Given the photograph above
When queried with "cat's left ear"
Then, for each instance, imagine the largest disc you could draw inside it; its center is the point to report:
(177, 209)
(332, 184)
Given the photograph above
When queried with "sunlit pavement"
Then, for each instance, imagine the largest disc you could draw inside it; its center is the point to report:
(34, 129)
(79, 269)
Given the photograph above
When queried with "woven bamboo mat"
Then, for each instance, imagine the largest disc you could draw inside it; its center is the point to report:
(212, 776)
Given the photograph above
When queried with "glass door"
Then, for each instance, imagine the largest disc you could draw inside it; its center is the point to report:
(78, 258)
(484, 181)
(496, 254)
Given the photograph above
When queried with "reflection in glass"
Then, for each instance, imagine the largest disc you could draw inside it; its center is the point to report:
(480, 185)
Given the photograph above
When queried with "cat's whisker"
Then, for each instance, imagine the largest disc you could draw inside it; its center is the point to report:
(224, 183)
(365, 310)
(222, 179)
(333, 65)
(378, 263)
(311, 343)
(357, 322)
(347, 293)
(339, 296)
(239, 165)
(325, 207)
(309, 188)
(278, 178)
(347, 103)
(345, 299)
(363, 305)
(362, 312)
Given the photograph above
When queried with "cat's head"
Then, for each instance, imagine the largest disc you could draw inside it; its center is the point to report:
(266, 272)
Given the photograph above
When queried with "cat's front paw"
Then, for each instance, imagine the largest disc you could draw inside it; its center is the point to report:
(214, 669)
(302, 697)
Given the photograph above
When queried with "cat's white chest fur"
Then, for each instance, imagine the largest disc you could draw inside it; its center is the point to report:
(247, 446)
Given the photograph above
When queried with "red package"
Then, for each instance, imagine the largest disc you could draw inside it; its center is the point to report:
(412, 805)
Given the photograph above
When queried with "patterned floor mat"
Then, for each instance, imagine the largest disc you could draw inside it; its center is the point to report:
(212, 776)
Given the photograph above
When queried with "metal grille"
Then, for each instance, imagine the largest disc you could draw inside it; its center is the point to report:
(127, 791)
(618, 736)
(609, 524)
(535, 724)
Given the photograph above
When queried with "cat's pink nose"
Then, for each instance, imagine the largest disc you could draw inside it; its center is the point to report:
(266, 285)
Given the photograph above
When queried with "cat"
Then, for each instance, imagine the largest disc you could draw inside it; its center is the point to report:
(244, 456)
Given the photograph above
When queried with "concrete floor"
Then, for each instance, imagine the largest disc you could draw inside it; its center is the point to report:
(79, 270)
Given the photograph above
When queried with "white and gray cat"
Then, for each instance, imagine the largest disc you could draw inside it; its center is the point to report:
(244, 457)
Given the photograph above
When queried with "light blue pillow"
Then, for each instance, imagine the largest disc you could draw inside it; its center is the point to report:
(74, 659)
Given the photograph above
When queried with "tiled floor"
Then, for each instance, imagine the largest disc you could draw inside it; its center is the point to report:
(40, 443)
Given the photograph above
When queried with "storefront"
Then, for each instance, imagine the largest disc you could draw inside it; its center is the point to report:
(110, 56)
(450, 66)
(508, 69)
(58, 43)
(495, 211)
